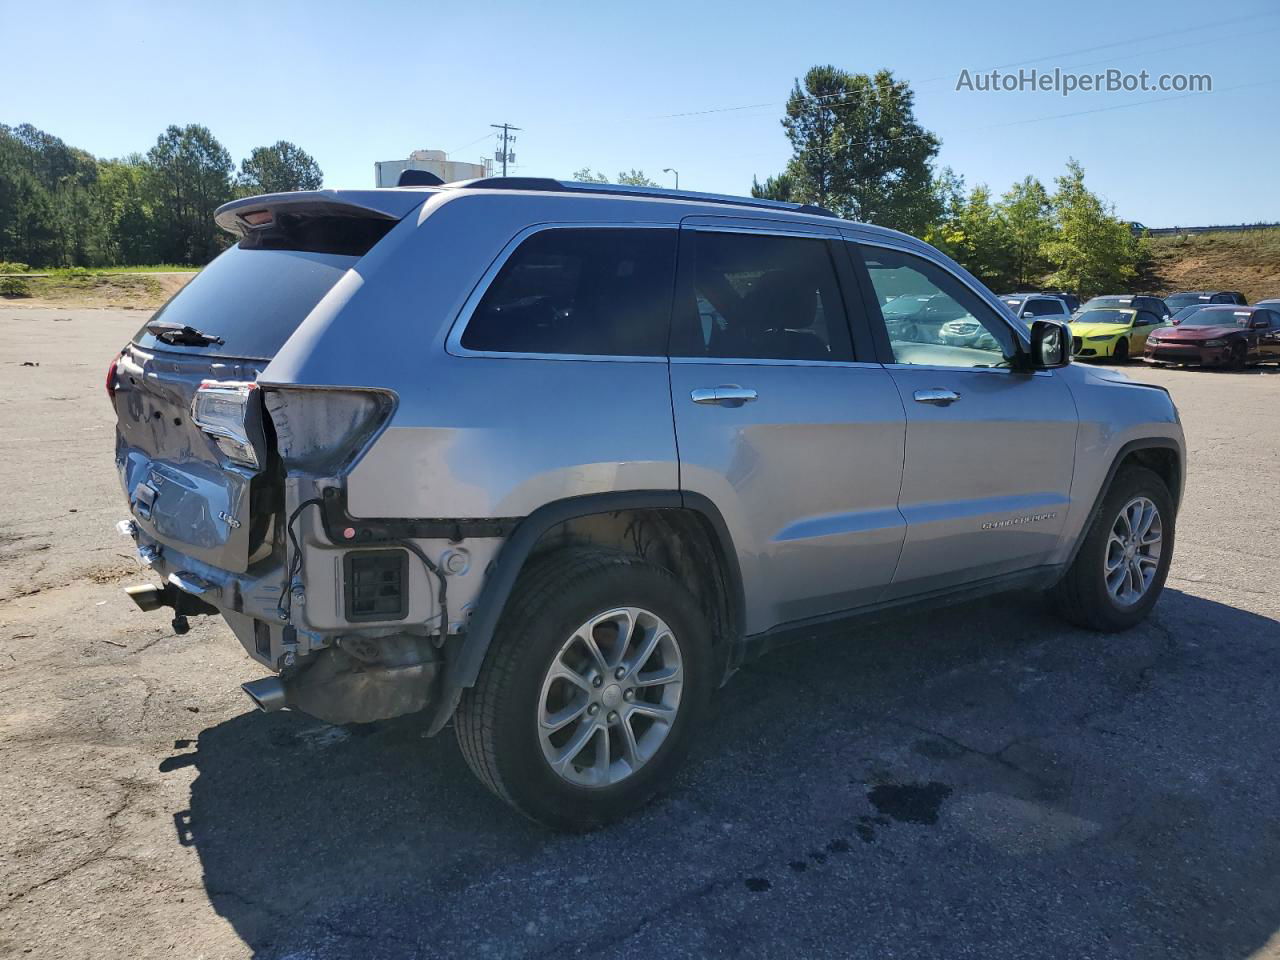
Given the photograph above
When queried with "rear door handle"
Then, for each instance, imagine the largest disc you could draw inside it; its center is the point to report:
(937, 396)
(725, 395)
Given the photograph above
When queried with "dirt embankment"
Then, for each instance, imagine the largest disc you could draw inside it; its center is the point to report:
(1248, 261)
(128, 291)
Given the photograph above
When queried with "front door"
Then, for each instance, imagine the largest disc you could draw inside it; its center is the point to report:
(989, 454)
(798, 441)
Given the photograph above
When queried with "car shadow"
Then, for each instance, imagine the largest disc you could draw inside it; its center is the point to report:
(1115, 795)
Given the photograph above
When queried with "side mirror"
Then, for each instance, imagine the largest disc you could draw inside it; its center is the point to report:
(1050, 344)
(1259, 325)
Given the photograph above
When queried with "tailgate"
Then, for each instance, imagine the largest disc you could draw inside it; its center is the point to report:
(212, 490)
(182, 491)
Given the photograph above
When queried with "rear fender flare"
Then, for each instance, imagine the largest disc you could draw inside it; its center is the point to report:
(464, 667)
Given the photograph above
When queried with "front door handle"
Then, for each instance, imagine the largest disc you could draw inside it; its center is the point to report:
(937, 396)
(725, 395)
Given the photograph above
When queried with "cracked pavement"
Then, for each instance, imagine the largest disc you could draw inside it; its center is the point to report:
(978, 781)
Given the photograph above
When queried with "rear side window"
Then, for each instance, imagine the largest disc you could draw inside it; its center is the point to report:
(760, 297)
(580, 291)
(252, 299)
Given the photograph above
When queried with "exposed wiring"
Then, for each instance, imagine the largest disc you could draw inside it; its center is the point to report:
(444, 585)
(295, 566)
(295, 561)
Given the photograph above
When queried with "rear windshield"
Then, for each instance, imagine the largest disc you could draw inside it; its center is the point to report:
(252, 299)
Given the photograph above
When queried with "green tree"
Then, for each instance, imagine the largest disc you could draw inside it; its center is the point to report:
(128, 221)
(631, 178)
(1028, 215)
(46, 199)
(636, 178)
(1091, 252)
(279, 168)
(858, 150)
(975, 235)
(781, 187)
(190, 177)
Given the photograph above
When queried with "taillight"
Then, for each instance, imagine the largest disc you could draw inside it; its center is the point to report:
(230, 413)
(111, 377)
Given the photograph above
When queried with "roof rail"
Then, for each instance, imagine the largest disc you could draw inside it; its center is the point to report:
(551, 185)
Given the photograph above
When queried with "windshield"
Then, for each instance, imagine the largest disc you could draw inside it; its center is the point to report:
(1216, 317)
(904, 306)
(1109, 303)
(1104, 316)
(1184, 313)
(1180, 300)
(251, 300)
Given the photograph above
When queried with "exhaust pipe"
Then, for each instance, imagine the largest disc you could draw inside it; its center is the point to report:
(267, 693)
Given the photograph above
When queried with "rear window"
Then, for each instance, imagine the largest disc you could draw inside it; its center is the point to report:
(252, 299)
(569, 291)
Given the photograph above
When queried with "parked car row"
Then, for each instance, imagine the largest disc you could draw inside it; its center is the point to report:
(1201, 327)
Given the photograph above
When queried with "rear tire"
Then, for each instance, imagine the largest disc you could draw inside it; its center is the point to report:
(571, 643)
(1101, 589)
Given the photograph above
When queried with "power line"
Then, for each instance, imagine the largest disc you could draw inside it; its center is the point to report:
(839, 98)
(482, 136)
(1075, 113)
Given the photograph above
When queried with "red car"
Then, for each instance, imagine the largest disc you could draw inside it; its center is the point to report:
(1219, 335)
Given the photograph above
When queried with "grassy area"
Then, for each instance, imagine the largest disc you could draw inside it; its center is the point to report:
(141, 288)
(149, 268)
(1248, 261)
(22, 268)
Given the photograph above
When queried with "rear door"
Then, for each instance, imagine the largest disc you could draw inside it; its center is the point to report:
(989, 452)
(783, 420)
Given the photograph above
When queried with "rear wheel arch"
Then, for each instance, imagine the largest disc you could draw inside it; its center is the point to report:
(682, 532)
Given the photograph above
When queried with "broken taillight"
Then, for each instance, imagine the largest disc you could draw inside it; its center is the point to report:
(230, 413)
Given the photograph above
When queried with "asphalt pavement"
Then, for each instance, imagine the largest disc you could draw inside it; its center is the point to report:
(983, 781)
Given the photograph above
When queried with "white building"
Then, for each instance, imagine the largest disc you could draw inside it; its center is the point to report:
(386, 173)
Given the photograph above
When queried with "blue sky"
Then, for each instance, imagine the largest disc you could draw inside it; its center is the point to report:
(598, 84)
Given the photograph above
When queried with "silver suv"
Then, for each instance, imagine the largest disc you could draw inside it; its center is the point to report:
(551, 460)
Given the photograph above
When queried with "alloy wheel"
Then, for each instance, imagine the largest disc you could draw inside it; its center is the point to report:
(1133, 551)
(610, 697)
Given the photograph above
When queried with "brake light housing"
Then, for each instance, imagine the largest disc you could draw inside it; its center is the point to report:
(111, 377)
(230, 413)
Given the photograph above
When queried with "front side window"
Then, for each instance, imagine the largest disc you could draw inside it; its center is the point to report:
(932, 318)
(761, 297)
(594, 292)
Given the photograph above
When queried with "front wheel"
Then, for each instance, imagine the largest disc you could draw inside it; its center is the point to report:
(1121, 352)
(600, 672)
(1121, 566)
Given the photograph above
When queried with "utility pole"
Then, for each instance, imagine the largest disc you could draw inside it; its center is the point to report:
(503, 155)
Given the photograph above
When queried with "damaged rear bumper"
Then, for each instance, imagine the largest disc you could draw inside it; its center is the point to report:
(358, 676)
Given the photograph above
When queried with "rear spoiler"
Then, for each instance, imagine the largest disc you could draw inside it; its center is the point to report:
(242, 217)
